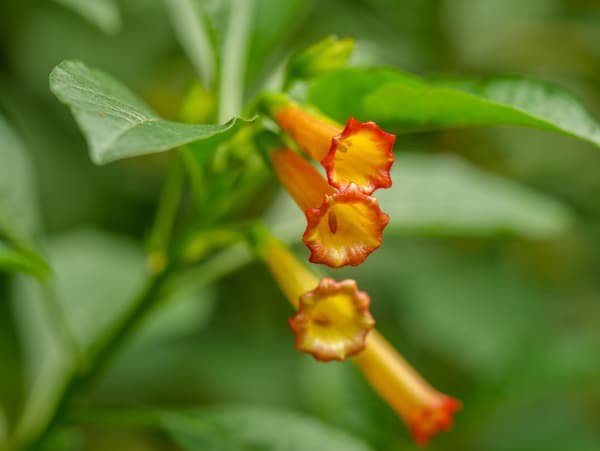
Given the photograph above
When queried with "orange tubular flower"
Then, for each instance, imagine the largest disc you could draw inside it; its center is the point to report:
(425, 410)
(332, 322)
(361, 153)
(333, 318)
(343, 227)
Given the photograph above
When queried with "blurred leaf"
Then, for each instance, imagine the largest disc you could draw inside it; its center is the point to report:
(444, 195)
(96, 276)
(102, 13)
(190, 26)
(447, 195)
(270, 22)
(18, 204)
(400, 100)
(469, 305)
(237, 428)
(116, 123)
(19, 216)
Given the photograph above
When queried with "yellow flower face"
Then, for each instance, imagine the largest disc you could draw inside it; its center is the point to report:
(345, 229)
(332, 320)
(361, 154)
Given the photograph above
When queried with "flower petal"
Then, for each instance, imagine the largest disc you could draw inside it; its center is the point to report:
(361, 154)
(333, 320)
(345, 229)
(432, 420)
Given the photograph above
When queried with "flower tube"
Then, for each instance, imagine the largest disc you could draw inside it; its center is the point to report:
(425, 411)
(359, 153)
(343, 227)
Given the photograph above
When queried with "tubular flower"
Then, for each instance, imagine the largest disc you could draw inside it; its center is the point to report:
(425, 410)
(343, 227)
(333, 318)
(328, 317)
(361, 153)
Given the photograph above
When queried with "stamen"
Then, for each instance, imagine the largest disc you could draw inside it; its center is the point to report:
(332, 219)
(322, 320)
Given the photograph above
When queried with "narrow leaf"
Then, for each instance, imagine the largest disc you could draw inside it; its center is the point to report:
(19, 212)
(406, 102)
(116, 123)
(190, 26)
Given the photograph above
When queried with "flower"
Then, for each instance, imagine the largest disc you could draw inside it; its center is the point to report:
(332, 320)
(425, 410)
(361, 153)
(343, 227)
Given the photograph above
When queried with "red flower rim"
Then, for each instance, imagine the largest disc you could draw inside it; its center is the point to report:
(328, 287)
(354, 126)
(352, 194)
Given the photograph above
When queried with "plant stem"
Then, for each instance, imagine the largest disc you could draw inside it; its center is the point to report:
(160, 236)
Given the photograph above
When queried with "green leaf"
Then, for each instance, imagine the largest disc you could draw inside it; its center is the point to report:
(237, 428)
(399, 100)
(270, 23)
(18, 203)
(444, 195)
(96, 278)
(19, 213)
(449, 196)
(104, 14)
(116, 123)
(469, 304)
(190, 26)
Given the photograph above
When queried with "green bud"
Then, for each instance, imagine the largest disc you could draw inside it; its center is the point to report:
(325, 56)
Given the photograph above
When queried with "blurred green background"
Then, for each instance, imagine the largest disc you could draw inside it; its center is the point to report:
(510, 325)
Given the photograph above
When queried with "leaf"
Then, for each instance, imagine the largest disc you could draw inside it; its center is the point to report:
(18, 203)
(468, 304)
(237, 428)
(190, 26)
(399, 100)
(447, 195)
(444, 195)
(96, 278)
(271, 21)
(19, 213)
(116, 123)
(104, 14)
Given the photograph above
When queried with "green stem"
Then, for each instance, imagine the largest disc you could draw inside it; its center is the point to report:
(160, 236)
